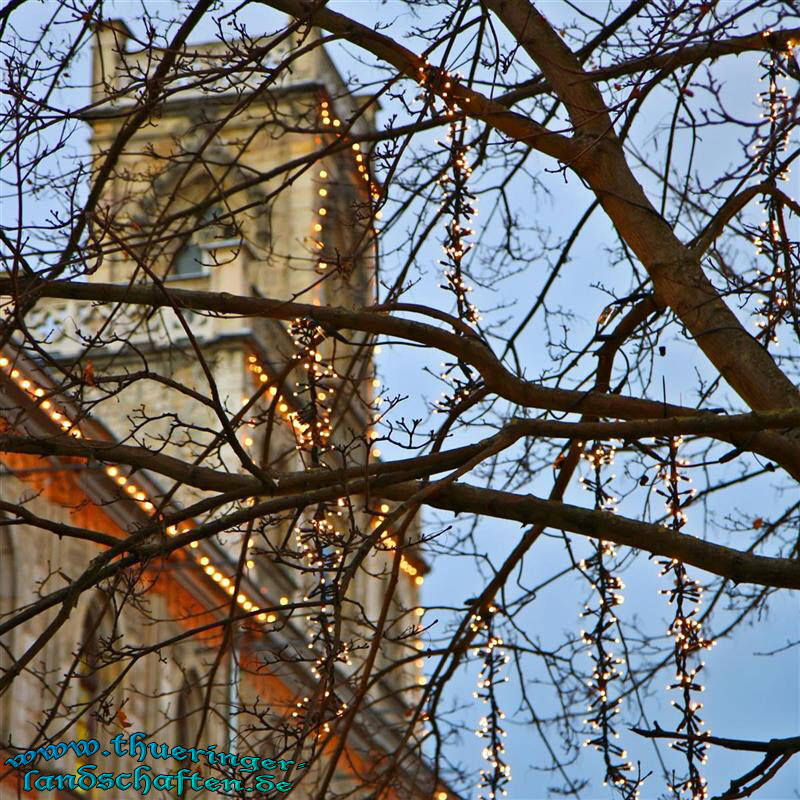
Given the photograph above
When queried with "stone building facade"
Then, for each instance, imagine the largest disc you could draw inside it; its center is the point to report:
(200, 199)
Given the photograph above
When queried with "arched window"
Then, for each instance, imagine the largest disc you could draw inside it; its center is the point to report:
(190, 709)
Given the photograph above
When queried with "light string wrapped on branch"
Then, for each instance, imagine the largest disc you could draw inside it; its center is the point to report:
(322, 548)
(458, 202)
(314, 391)
(319, 538)
(685, 595)
(497, 773)
(462, 381)
(604, 698)
(777, 303)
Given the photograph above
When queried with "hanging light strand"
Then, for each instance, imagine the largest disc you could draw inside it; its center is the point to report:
(604, 699)
(312, 421)
(323, 550)
(458, 202)
(497, 774)
(685, 595)
(459, 207)
(777, 303)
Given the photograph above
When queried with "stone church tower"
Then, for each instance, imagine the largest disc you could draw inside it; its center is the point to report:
(247, 184)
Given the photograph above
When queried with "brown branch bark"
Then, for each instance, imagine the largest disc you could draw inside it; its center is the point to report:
(788, 745)
(598, 158)
(498, 379)
(675, 270)
(730, 208)
(205, 478)
(409, 64)
(659, 540)
(668, 62)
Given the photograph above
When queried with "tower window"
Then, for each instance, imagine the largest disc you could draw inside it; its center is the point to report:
(217, 231)
(189, 261)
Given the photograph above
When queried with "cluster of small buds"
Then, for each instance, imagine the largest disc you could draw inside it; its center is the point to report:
(685, 594)
(604, 704)
(313, 429)
(777, 303)
(497, 774)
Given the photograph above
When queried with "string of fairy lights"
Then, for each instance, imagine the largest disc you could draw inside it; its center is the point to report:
(39, 397)
(777, 303)
(311, 423)
(602, 636)
(497, 774)
(320, 543)
(775, 306)
(458, 204)
(322, 213)
(308, 412)
(319, 539)
(135, 493)
(308, 436)
(308, 416)
(458, 201)
(685, 595)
